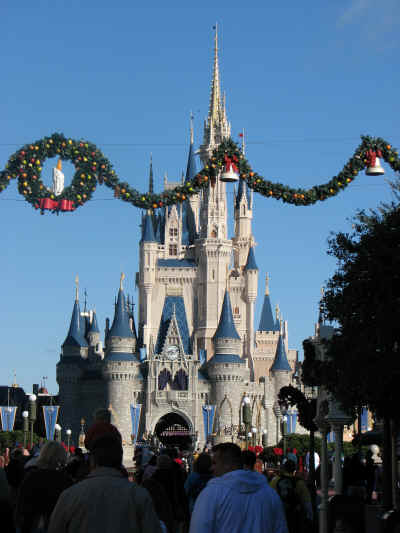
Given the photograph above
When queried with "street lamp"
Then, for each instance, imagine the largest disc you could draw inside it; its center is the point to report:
(264, 438)
(57, 427)
(254, 431)
(246, 416)
(249, 435)
(25, 415)
(68, 432)
(32, 414)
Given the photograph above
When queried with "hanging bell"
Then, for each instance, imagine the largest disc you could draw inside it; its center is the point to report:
(229, 176)
(376, 170)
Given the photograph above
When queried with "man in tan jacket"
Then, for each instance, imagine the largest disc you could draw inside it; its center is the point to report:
(106, 501)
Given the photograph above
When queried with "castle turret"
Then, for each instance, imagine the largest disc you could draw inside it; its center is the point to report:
(148, 261)
(226, 370)
(121, 369)
(190, 208)
(251, 277)
(281, 371)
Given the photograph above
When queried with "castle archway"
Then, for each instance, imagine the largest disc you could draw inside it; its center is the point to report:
(173, 430)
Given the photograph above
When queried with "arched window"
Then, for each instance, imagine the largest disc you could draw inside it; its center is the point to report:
(164, 378)
(181, 380)
(214, 234)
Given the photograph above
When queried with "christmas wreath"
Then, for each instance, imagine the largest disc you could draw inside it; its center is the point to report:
(92, 167)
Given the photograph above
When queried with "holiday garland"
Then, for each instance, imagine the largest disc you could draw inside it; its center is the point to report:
(92, 167)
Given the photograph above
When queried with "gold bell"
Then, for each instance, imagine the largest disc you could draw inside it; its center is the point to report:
(376, 170)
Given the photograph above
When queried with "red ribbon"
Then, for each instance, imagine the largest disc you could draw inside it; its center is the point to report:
(371, 157)
(231, 163)
(53, 205)
(278, 451)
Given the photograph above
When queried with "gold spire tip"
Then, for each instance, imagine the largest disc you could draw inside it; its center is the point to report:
(121, 280)
(266, 284)
(59, 164)
(77, 287)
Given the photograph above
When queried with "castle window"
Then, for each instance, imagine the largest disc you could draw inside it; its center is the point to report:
(181, 380)
(213, 274)
(164, 378)
(236, 310)
(244, 210)
(173, 249)
(214, 234)
(173, 232)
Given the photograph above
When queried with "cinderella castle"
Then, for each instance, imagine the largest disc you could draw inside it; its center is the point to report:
(193, 368)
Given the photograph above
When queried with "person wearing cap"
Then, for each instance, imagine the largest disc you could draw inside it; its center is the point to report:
(106, 500)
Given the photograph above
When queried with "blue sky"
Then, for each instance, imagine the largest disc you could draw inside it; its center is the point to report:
(303, 79)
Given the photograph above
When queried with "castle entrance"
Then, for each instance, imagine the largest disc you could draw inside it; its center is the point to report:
(172, 430)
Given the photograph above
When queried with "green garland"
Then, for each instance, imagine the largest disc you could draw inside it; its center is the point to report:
(92, 167)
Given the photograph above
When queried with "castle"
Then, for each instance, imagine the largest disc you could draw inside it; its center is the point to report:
(195, 359)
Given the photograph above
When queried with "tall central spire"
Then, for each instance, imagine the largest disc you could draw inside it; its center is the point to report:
(214, 112)
(217, 127)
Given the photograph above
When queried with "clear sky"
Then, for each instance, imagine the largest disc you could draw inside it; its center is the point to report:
(304, 79)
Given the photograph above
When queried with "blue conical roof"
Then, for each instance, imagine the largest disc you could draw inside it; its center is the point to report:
(120, 326)
(148, 230)
(242, 191)
(226, 328)
(191, 169)
(94, 328)
(281, 362)
(251, 260)
(267, 322)
(76, 333)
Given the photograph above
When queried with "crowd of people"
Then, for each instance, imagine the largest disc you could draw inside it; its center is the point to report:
(222, 489)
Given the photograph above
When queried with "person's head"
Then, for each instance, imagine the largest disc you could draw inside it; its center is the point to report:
(202, 465)
(106, 451)
(164, 462)
(52, 456)
(100, 429)
(226, 457)
(102, 415)
(289, 466)
(248, 459)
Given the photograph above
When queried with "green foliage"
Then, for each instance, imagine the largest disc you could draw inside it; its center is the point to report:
(302, 445)
(307, 409)
(93, 167)
(8, 439)
(363, 297)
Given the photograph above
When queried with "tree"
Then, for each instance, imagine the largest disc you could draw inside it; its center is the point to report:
(363, 297)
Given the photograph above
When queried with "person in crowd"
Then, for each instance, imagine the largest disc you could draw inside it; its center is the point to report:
(150, 468)
(249, 459)
(41, 488)
(170, 477)
(14, 470)
(295, 497)
(198, 479)
(236, 500)
(106, 500)
(6, 509)
(162, 504)
(355, 477)
(102, 424)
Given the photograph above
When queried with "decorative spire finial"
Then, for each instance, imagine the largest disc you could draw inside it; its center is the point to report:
(277, 311)
(77, 287)
(266, 284)
(121, 280)
(59, 164)
(243, 143)
(151, 178)
(215, 100)
(191, 128)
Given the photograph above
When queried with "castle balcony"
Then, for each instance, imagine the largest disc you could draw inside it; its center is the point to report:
(172, 396)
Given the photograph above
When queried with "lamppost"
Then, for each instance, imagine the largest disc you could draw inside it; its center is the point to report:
(254, 431)
(68, 432)
(32, 414)
(246, 417)
(284, 429)
(25, 415)
(264, 438)
(57, 427)
(249, 435)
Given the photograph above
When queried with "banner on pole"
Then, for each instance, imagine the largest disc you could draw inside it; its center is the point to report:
(208, 420)
(7, 413)
(50, 414)
(135, 416)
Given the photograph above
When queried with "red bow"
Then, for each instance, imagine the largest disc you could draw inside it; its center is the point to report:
(53, 205)
(371, 157)
(230, 163)
(278, 451)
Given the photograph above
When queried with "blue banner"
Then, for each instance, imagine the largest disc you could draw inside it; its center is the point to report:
(364, 420)
(135, 416)
(7, 414)
(208, 420)
(50, 414)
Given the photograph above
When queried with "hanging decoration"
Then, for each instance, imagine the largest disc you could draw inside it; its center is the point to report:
(92, 167)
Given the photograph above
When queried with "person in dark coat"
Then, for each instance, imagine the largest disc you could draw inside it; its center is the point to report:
(198, 479)
(41, 488)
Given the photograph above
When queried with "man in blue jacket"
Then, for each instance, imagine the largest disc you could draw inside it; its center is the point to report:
(236, 500)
